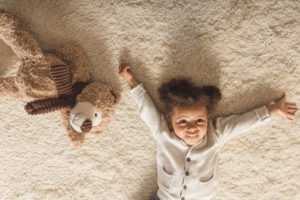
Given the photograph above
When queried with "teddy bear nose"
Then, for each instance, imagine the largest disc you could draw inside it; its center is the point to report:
(86, 126)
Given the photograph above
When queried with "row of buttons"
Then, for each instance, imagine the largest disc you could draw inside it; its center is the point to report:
(188, 159)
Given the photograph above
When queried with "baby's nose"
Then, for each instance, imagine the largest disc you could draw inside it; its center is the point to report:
(192, 126)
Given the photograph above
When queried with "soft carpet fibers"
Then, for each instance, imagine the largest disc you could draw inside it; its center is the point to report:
(249, 48)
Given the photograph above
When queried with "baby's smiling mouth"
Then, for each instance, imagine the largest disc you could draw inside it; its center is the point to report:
(192, 135)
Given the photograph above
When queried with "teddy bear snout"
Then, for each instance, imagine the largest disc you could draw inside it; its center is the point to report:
(86, 126)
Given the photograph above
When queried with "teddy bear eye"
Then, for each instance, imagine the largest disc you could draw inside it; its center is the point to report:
(96, 114)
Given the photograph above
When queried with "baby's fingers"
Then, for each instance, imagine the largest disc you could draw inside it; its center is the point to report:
(289, 113)
(292, 105)
(290, 116)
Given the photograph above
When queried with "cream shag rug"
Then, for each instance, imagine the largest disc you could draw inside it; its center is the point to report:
(250, 48)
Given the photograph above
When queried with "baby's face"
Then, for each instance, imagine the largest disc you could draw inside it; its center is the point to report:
(190, 122)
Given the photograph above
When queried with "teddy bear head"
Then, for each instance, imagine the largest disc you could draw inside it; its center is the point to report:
(93, 109)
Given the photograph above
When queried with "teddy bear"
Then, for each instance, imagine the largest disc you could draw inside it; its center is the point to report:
(57, 80)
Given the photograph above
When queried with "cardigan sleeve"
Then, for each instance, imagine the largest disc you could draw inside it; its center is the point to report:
(147, 109)
(236, 125)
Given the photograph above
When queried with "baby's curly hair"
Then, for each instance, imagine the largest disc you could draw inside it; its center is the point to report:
(183, 92)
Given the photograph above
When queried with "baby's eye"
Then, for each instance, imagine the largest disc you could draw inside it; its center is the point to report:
(200, 121)
(182, 122)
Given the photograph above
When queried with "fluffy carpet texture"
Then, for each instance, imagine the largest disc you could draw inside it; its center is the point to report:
(249, 48)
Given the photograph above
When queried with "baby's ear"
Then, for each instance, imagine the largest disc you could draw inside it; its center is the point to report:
(213, 93)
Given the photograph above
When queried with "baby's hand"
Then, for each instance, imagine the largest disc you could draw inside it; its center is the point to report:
(283, 108)
(126, 73)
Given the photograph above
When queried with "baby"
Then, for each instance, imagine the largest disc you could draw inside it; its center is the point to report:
(188, 140)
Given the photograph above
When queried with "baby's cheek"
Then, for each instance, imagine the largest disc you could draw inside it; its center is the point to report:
(203, 131)
(179, 131)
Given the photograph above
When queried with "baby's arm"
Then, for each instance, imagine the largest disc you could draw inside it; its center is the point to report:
(233, 126)
(147, 110)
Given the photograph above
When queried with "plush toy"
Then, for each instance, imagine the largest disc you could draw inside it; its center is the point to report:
(56, 81)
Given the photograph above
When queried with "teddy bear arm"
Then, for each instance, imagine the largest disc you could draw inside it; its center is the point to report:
(19, 40)
(8, 87)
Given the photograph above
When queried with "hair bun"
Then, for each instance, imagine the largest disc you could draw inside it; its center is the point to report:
(183, 92)
(178, 90)
(212, 92)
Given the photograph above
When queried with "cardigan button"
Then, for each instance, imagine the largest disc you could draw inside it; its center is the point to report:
(188, 159)
(187, 173)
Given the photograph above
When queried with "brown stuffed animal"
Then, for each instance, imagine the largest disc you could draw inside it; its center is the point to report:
(56, 81)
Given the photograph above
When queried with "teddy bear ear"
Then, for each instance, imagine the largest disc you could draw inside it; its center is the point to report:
(212, 92)
(117, 96)
(75, 137)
